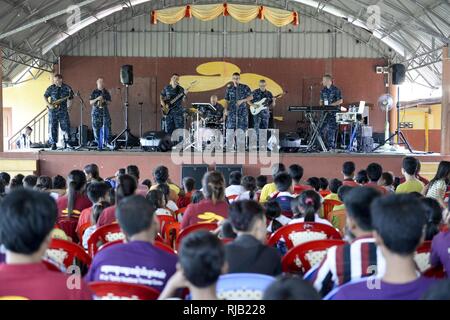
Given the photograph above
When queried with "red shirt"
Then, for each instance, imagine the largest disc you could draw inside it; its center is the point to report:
(36, 282)
(350, 183)
(299, 188)
(81, 202)
(184, 201)
(204, 212)
(108, 216)
(374, 185)
(85, 217)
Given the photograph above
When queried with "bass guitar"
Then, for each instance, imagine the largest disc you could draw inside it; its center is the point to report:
(168, 105)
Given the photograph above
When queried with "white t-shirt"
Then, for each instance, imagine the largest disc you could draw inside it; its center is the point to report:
(246, 196)
(234, 190)
(172, 205)
(317, 219)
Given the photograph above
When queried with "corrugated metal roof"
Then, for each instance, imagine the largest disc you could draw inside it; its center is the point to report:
(409, 26)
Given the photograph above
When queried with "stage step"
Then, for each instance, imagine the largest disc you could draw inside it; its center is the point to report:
(16, 166)
(429, 169)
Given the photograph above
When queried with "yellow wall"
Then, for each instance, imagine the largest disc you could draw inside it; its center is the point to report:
(417, 117)
(26, 100)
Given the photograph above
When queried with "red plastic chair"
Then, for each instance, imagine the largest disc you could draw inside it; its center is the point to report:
(171, 232)
(69, 226)
(422, 256)
(328, 206)
(299, 233)
(232, 197)
(52, 266)
(305, 256)
(68, 253)
(194, 228)
(122, 291)
(102, 235)
(82, 229)
(437, 272)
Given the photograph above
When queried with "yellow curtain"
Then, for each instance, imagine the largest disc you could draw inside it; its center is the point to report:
(170, 15)
(243, 13)
(278, 17)
(207, 12)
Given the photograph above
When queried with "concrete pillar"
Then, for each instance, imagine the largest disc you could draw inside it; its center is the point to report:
(445, 116)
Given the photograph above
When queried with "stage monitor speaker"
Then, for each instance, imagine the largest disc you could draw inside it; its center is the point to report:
(398, 74)
(156, 141)
(227, 169)
(126, 75)
(290, 142)
(194, 171)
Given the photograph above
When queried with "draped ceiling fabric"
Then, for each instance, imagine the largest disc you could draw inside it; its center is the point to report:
(242, 13)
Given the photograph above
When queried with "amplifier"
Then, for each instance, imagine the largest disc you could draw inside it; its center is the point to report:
(290, 142)
(156, 141)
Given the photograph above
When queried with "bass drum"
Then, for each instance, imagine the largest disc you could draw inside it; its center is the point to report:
(209, 138)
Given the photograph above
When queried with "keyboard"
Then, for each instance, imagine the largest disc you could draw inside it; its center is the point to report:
(315, 109)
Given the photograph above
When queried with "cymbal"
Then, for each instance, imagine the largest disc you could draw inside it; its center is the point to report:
(192, 110)
(280, 119)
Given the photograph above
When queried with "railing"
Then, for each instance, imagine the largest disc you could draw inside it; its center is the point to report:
(39, 125)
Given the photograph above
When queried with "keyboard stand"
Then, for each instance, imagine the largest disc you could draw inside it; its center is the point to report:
(316, 136)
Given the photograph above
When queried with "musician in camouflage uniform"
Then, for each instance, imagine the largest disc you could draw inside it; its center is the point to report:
(330, 96)
(175, 119)
(261, 120)
(58, 115)
(99, 100)
(238, 96)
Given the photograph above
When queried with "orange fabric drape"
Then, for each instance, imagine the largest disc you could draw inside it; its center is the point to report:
(242, 13)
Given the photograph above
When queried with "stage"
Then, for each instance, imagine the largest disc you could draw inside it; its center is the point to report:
(327, 165)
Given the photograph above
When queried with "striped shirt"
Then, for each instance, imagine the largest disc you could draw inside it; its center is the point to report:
(346, 263)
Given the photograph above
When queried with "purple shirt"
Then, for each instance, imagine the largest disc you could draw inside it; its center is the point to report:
(440, 251)
(136, 262)
(387, 291)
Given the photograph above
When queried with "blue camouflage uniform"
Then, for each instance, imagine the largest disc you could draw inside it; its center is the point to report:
(261, 120)
(210, 114)
(99, 115)
(329, 96)
(175, 118)
(59, 115)
(232, 95)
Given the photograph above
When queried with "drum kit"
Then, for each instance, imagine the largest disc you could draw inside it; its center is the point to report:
(204, 132)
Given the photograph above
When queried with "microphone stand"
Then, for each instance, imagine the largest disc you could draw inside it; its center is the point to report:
(81, 142)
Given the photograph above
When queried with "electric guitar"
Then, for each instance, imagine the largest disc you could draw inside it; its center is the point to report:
(260, 106)
(168, 105)
(57, 103)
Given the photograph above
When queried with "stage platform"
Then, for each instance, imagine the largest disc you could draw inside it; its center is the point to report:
(327, 165)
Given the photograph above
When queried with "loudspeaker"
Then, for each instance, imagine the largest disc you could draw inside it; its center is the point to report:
(290, 142)
(126, 75)
(398, 74)
(156, 141)
(194, 171)
(227, 169)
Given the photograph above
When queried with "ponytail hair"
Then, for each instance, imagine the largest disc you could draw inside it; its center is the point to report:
(309, 203)
(126, 186)
(77, 181)
(214, 186)
(433, 214)
(249, 183)
(97, 210)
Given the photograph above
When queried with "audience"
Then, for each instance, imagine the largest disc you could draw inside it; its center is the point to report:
(189, 189)
(97, 210)
(438, 185)
(374, 172)
(411, 184)
(158, 200)
(433, 214)
(296, 172)
(387, 181)
(398, 222)
(249, 184)
(29, 182)
(360, 257)
(261, 181)
(26, 221)
(248, 252)
(440, 248)
(235, 189)
(126, 187)
(270, 188)
(274, 216)
(362, 178)
(288, 288)
(213, 208)
(309, 205)
(161, 176)
(342, 193)
(133, 171)
(92, 173)
(314, 183)
(283, 196)
(201, 262)
(348, 170)
(335, 184)
(324, 187)
(137, 261)
(76, 200)
(44, 183)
